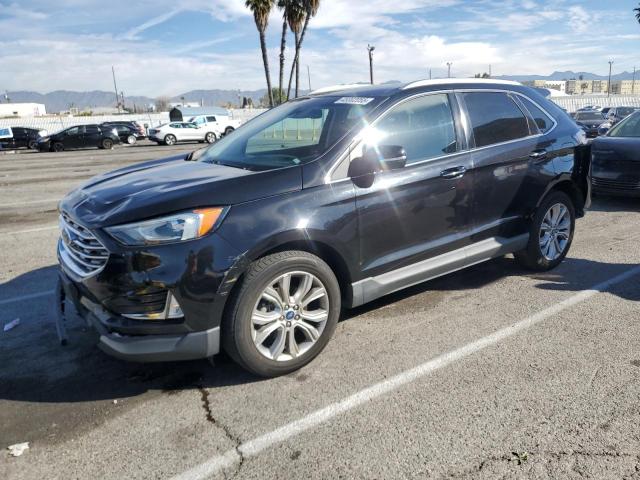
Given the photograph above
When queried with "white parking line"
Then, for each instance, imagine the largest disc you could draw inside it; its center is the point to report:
(252, 448)
(30, 296)
(30, 230)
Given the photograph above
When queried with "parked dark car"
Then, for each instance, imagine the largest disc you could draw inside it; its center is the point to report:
(126, 133)
(20, 137)
(616, 159)
(80, 136)
(256, 243)
(141, 132)
(590, 122)
(616, 114)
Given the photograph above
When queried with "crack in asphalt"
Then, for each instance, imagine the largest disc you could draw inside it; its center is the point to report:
(206, 406)
(557, 455)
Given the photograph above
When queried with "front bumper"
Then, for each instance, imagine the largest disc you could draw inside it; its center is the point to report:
(140, 348)
(199, 274)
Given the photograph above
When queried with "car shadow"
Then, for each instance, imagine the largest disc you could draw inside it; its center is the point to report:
(36, 368)
(603, 203)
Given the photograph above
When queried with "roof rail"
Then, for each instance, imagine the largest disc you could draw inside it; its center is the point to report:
(337, 88)
(447, 81)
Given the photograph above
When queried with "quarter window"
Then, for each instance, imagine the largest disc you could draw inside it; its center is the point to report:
(423, 126)
(541, 119)
(495, 118)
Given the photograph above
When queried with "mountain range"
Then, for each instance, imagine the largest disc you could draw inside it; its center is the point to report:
(60, 100)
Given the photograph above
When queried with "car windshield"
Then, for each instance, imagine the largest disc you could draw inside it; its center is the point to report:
(295, 133)
(629, 127)
(624, 111)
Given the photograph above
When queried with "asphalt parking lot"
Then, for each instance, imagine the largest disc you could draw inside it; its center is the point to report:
(492, 372)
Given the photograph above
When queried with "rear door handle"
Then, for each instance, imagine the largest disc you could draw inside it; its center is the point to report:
(538, 155)
(455, 172)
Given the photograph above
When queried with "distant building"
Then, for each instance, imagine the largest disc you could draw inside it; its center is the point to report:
(625, 87)
(559, 85)
(22, 109)
(182, 114)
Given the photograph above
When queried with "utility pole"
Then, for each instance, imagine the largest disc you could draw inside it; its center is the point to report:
(489, 70)
(429, 73)
(309, 75)
(449, 69)
(609, 87)
(370, 49)
(115, 88)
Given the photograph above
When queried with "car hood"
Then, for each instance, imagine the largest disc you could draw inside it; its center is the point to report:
(164, 186)
(591, 123)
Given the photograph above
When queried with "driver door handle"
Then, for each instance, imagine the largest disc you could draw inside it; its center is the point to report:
(455, 172)
(538, 155)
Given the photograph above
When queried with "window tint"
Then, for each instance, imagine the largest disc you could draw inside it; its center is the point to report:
(630, 127)
(73, 131)
(541, 119)
(211, 119)
(423, 126)
(495, 118)
(91, 129)
(175, 125)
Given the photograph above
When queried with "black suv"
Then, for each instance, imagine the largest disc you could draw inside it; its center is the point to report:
(21, 137)
(257, 242)
(80, 136)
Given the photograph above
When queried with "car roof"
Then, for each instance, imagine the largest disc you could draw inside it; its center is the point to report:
(362, 89)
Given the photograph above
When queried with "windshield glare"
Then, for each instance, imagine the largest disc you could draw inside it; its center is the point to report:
(295, 133)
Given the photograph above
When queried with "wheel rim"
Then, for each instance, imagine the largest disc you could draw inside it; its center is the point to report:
(555, 231)
(209, 138)
(58, 147)
(290, 316)
(169, 140)
(131, 139)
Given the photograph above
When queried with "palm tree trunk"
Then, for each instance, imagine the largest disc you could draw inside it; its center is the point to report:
(265, 61)
(296, 60)
(298, 74)
(293, 65)
(283, 46)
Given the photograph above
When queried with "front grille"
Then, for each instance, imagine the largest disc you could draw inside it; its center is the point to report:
(80, 251)
(616, 184)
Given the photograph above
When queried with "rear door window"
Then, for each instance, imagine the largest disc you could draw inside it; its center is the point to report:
(211, 119)
(495, 118)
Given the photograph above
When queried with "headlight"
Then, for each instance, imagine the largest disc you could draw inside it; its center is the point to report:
(170, 229)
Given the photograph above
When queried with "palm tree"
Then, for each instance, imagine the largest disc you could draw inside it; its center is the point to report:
(295, 13)
(310, 9)
(261, 10)
(282, 5)
(637, 10)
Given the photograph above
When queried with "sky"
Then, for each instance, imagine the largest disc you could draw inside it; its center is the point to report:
(167, 47)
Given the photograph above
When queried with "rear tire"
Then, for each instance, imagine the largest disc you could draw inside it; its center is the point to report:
(132, 140)
(170, 140)
(229, 130)
(210, 137)
(300, 322)
(550, 233)
(107, 144)
(33, 145)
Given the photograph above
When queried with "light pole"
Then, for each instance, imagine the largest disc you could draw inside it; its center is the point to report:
(633, 83)
(370, 49)
(115, 88)
(449, 69)
(609, 86)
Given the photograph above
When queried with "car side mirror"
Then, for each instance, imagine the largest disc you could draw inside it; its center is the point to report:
(376, 159)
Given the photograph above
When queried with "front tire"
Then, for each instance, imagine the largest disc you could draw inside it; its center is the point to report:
(210, 137)
(229, 130)
(132, 140)
(550, 234)
(58, 147)
(283, 313)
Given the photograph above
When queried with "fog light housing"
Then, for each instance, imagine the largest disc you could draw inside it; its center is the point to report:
(172, 311)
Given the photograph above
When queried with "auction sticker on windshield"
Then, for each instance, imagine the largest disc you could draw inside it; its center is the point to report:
(355, 100)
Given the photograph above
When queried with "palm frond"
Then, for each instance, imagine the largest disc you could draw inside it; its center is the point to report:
(261, 10)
